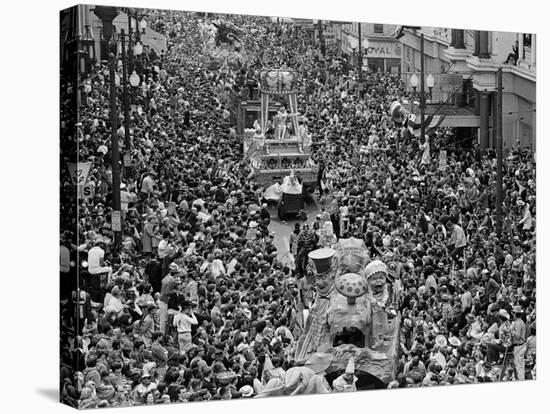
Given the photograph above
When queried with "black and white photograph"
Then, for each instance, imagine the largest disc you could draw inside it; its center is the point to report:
(261, 206)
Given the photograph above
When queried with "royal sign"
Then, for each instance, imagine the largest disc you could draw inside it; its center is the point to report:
(390, 50)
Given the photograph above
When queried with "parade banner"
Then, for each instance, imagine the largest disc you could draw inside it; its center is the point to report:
(79, 172)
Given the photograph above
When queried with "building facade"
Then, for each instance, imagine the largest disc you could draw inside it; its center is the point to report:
(494, 50)
(381, 51)
(477, 56)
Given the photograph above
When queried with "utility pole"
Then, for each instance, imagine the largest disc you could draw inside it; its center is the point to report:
(360, 63)
(138, 34)
(422, 95)
(114, 154)
(499, 152)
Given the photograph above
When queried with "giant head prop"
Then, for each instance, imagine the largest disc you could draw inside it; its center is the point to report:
(376, 273)
(322, 261)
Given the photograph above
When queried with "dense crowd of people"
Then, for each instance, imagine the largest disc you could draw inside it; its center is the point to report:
(196, 302)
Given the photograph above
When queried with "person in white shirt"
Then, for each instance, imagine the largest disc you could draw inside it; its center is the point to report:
(425, 148)
(147, 185)
(527, 220)
(457, 242)
(113, 301)
(96, 265)
(214, 266)
(183, 321)
(126, 197)
(165, 247)
(198, 202)
(203, 216)
(166, 251)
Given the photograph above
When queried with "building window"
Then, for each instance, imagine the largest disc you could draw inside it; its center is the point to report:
(378, 28)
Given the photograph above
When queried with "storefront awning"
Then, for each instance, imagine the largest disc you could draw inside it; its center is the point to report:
(455, 117)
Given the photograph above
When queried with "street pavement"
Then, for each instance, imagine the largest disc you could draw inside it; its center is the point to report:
(283, 229)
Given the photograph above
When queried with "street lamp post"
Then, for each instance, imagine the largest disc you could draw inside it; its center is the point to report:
(430, 83)
(127, 141)
(422, 95)
(360, 63)
(130, 54)
(114, 152)
(414, 83)
(321, 36)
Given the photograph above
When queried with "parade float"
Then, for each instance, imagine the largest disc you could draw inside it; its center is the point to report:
(274, 140)
(354, 314)
(222, 48)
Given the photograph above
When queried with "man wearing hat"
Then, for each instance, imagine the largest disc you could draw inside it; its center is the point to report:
(144, 387)
(322, 262)
(346, 381)
(518, 341)
(504, 342)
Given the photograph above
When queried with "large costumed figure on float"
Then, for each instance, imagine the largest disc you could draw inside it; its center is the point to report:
(222, 46)
(354, 314)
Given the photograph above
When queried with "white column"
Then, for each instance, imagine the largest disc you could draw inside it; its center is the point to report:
(533, 49)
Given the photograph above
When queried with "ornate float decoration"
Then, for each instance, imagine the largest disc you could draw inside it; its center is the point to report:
(222, 46)
(354, 314)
